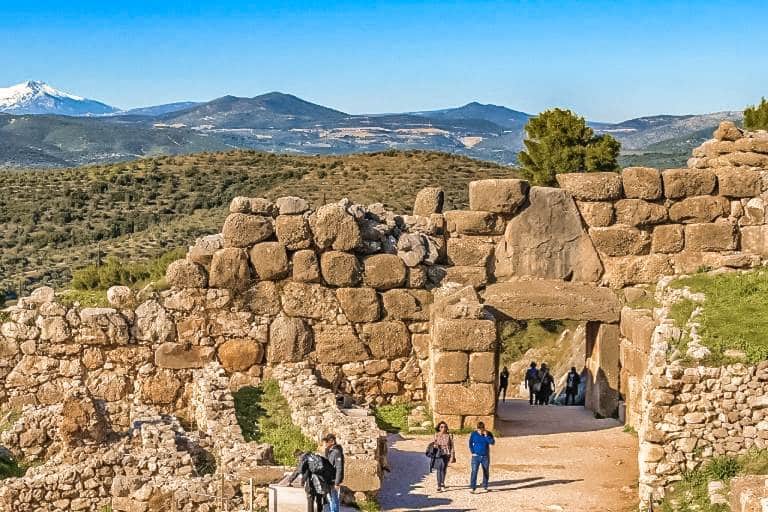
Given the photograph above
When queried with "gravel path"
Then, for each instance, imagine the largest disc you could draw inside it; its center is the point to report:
(548, 459)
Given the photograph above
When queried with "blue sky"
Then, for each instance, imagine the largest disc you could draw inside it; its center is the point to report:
(606, 60)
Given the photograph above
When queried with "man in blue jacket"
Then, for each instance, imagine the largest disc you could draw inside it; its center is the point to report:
(480, 442)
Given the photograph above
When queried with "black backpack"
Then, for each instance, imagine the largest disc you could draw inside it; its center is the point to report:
(321, 468)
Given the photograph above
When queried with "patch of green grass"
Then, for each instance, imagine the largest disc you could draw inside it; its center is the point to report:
(392, 418)
(369, 505)
(86, 298)
(629, 429)
(265, 417)
(735, 312)
(10, 467)
(518, 337)
(4, 316)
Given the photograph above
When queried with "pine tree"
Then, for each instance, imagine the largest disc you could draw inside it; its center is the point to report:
(559, 141)
(756, 116)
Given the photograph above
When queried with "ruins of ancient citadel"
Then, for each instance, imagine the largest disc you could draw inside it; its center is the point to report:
(118, 404)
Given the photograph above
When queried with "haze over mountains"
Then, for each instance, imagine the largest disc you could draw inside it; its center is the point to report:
(41, 126)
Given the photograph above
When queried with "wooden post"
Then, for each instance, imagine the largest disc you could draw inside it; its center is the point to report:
(250, 500)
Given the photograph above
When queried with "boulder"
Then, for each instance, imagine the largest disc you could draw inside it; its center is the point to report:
(428, 201)
(620, 240)
(237, 355)
(668, 239)
(556, 300)
(121, 297)
(417, 277)
(42, 295)
(290, 340)
(305, 266)
(547, 240)
(340, 268)
(109, 386)
(469, 251)
(737, 182)
(309, 301)
(636, 212)
(359, 304)
(291, 205)
(293, 232)
(473, 222)
(229, 269)
(596, 214)
(699, 209)
(458, 399)
(186, 274)
(242, 230)
(178, 356)
(754, 212)
(728, 131)
(476, 277)
(497, 195)
(591, 186)
(203, 250)
(338, 344)
(679, 183)
(387, 340)
(333, 227)
(450, 367)
(240, 204)
(641, 183)
(718, 236)
(384, 271)
(269, 261)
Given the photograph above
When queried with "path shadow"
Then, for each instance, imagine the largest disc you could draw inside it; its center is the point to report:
(516, 418)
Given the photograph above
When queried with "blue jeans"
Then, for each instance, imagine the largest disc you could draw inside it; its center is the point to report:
(477, 462)
(333, 501)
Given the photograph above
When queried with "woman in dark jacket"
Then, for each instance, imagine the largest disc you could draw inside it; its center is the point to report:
(314, 498)
(547, 385)
(445, 453)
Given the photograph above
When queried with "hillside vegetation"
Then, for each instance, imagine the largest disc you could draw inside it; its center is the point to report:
(55, 221)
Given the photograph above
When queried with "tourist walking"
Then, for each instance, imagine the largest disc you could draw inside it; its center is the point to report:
(572, 382)
(503, 383)
(546, 385)
(444, 453)
(531, 378)
(335, 454)
(480, 442)
(314, 486)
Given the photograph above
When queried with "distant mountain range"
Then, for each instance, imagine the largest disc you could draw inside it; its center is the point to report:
(41, 126)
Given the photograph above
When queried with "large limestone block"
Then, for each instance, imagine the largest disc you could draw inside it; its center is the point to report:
(464, 222)
(497, 195)
(263, 298)
(359, 304)
(718, 236)
(333, 227)
(630, 270)
(728, 131)
(305, 266)
(179, 356)
(384, 271)
(160, 388)
(243, 230)
(269, 260)
(186, 274)
(81, 420)
(591, 186)
(636, 212)
(229, 269)
(547, 240)
(469, 251)
(464, 334)
(291, 205)
(362, 475)
(387, 340)
(679, 183)
(338, 344)
(668, 239)
(238, 355)
(736, 182)
(450, 367)
(101, 326)
(596, 213)
(754, 239)
(556, 300)
(477, 277)
(458, 399)
(290, 340)
(309, 301)
(602, 390)
(293, 232)
(637, 325)
(482, 367)
(429, 200)
(699, 209)
(413, 305)
(620, 240)
(641, 183)
(340, 268)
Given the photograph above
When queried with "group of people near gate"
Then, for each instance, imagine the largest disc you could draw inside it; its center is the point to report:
(541, 385)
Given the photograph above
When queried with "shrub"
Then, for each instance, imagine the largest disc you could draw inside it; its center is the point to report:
(392, 418)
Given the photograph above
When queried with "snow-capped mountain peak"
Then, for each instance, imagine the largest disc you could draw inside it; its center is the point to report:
(35, 97)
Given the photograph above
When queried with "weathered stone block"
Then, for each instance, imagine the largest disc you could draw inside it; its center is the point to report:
(359, 304)
(736, 182)
(305, 266)
(679, 183)
(333, 227)
(186, 274)
(293, 232)
(240, 354)
(591, 186)
(497, 195)
(243, 230)
(362, 475)
(469, 251)
(291, 205)
(309, 301)
(429, 200)
(464, 334)
(411, 305)
(465, 222)
(718, 236)
(727, 130)
(556, 300)
(754, 239)
(290, 340)
(160, 388)
(340, 268)
(668, 239)
(596, 214)
(229, 269)
(450, 367)
(641, 183)
(632, 270)
(263, 298)
(482, 367)
(178, 356)
(637, 325)
(699, 209)
(457, 399)
(384, 271)
(387, 340)
(620, 240)
(204, 248)
(602, 391)
(269, 260)
(477, 277)
(636, 212)
(338, 344)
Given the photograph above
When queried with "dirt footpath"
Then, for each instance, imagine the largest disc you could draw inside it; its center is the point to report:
(548, 459)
